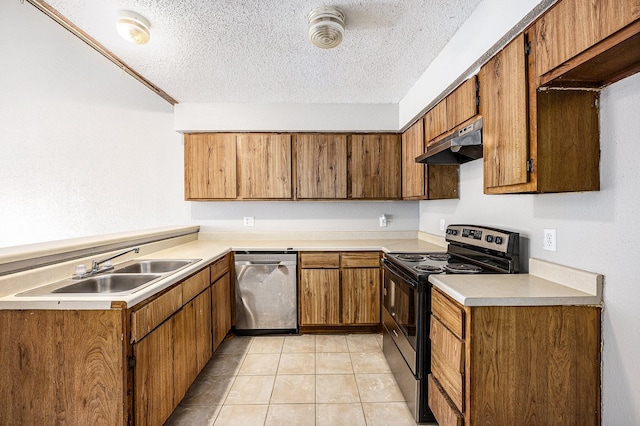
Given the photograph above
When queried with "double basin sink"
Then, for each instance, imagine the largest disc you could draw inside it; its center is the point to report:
(125, 279)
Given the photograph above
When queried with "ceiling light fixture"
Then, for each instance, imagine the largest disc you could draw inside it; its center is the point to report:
(326, 26)
(133, 27)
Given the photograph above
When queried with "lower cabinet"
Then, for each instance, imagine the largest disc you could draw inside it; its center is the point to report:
(339, 288)
(513, 365)
(221, 300)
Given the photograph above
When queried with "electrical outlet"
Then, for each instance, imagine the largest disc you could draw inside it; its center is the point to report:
(248, 221)
(549, 240)
(442, 224)
(383, 221)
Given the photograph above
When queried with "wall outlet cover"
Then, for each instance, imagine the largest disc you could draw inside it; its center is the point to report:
(549, 242)
(248, 221)
(442, 224)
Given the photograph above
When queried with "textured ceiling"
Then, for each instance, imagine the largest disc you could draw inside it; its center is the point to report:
(215, 51)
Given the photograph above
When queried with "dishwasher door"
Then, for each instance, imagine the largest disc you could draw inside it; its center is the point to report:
(266, 293)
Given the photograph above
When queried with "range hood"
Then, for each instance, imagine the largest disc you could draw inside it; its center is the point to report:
(458, 147)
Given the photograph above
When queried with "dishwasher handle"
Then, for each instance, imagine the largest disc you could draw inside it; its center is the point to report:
(265, 263)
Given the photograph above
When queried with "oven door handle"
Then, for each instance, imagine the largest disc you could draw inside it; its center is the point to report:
(395, 271)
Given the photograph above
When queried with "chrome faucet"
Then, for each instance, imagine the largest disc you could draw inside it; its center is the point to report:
(95, 265)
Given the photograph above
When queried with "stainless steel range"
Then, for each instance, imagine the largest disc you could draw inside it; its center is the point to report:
(407, 299)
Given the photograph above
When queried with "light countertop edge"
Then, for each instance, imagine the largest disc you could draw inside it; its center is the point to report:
(547, 284)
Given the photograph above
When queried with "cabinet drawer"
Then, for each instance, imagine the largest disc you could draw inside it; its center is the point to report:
(451, 379)
(360, 260)
(320, 260)
(193, 285)
(153, 313)
(219, 268)
(448, 344)
(445, 413)
(448, 312)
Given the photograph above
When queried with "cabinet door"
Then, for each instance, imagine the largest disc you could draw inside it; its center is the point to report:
(412, 172)
(321, 166)
(210, 166)
(435, 121)
(264, 162)
(153, 376)
(361, 296)
(221, 304)
(503, 105)
(374, 166)
(319, 296)
(204, 347)
(461, 103)
(572, 26)
(184, 351)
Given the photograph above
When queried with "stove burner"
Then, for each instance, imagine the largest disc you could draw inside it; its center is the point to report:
(412, 257)
(441, 257)
(428, 268)
(463, 268)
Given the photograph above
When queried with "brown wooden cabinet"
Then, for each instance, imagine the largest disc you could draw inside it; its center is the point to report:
(339, 288)
(420, 182)
(514, 364)
(321, 166)
(210, 166)
(462, 103)
(221, 300)
(374, 166)
(535, 140)
(572, 26)
(114, 366)
(435, 121)
(264, 166)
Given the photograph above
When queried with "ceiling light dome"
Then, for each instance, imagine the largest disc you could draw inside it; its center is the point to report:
(326, 26)
(133, 27)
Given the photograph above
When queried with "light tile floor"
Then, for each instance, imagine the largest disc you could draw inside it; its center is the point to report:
(311, 380)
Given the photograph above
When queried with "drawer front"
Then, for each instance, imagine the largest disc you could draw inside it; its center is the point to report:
(195, 284)
(445, 413)
(448, 312)
(320, 260)
(448, 344)
(219, 268)
(155, 312)
(360, 260)
(449, 378)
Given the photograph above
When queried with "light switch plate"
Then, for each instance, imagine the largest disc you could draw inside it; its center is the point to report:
(248, 221)
(442, 224)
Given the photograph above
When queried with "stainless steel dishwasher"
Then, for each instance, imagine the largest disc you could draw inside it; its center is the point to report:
(266, 293)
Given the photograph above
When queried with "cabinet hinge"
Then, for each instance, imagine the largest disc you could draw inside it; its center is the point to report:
(527, 48)
(530, 165)
(132, 362)
(477, 100)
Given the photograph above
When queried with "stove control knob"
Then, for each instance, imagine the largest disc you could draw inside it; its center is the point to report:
(452, 232)
(489, 238)
(498, 240)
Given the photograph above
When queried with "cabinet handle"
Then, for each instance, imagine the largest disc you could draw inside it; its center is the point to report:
(394, 332)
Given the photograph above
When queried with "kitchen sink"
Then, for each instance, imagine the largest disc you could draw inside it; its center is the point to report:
(111, 283)
(156, 266)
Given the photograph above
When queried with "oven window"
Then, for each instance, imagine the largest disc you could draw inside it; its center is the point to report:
(400, 300)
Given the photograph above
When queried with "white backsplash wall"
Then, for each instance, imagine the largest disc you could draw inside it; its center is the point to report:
(596, 231)
(312, 216)
(85, 148)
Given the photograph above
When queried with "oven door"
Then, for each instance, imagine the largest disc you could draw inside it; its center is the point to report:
(401, 312)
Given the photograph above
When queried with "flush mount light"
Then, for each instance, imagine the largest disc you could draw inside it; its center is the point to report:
(133, 27)
(326, 26)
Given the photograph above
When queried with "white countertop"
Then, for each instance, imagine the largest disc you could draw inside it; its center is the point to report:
(547, 284)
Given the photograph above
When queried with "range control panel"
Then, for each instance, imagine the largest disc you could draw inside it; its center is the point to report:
(478, 236)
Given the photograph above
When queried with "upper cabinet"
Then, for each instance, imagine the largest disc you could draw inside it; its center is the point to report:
(412, 172)
(210, 166)
(264, 166)
(321, 166)
(374, 166)
(458, 107)
(535, 140)
(420, 182)
(573, 26)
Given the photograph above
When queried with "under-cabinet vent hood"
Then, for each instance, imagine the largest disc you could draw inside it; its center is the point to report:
(459, 147)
